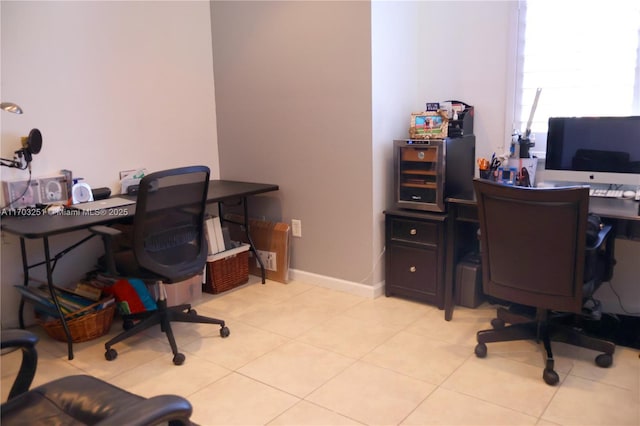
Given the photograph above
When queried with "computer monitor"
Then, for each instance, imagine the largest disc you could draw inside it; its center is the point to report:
(600, 150)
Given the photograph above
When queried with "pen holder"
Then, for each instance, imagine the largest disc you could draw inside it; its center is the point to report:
(486, 174)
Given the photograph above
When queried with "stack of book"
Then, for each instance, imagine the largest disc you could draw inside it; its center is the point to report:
(70, 300)
(216, 235)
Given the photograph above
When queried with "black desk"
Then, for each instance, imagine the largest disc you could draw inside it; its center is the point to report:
(623, 214)
(45, 226)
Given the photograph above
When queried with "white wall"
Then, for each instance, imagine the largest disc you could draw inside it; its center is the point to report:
(395, 37)
(112, 86)
(465, 55)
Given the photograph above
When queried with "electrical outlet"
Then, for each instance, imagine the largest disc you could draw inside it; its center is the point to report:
(296, 227)
(269, 260)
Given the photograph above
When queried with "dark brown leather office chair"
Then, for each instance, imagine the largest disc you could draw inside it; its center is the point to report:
(535, 254)
(168, 246)
(81, 399)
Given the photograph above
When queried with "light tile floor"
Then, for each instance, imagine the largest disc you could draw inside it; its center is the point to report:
(304, 355)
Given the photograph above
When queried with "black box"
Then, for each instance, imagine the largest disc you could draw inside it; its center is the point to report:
(463, 125)
(468, 290)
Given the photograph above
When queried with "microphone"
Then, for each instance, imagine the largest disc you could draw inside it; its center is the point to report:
(31, 145)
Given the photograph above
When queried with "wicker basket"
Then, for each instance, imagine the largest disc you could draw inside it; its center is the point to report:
(85, 324)
(227, 272)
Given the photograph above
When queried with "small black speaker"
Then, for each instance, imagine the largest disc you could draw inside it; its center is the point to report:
(101, 193)
(468, 290)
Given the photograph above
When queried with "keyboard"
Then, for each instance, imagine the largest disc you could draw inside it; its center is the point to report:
(606, 193)
(107, 203)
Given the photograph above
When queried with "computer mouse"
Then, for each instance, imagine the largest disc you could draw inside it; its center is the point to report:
(628, 194)
(54, 209)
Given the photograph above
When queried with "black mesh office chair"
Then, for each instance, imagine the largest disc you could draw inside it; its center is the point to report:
(80, 399)
(535, 254)
(168, 246)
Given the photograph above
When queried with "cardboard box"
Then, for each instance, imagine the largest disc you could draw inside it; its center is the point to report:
(272, 241)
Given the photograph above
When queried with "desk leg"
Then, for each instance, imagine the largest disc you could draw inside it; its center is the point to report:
(47, 258)
(25, 274)
(50, 266)
(245, 224)
(253, 247)
(450, 264)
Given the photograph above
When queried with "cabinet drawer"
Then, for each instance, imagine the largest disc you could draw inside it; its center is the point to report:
(414, 231)
(414, 273)
(420, 154)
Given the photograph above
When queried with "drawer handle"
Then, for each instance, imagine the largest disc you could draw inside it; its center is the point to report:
(412, 269)
(413, 232)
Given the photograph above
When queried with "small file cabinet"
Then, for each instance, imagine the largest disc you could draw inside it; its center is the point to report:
(414, 262)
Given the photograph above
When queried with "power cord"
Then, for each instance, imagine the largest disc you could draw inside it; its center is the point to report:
(26, 188)
(375, 266)
(620, 301)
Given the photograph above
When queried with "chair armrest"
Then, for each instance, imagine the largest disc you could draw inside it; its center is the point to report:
(602, 237)
(105, 230)
(107, 233)
(18, 338)
(155, 410)
(26, 341)
(602, 252)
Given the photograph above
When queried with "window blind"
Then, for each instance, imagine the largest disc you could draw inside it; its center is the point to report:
(584, 55)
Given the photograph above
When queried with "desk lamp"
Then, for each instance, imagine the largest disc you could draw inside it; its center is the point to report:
(11, 107)
(30, 145)
(526, 141)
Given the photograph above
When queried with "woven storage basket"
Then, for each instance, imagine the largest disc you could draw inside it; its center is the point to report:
(228, 272)
(85, 324)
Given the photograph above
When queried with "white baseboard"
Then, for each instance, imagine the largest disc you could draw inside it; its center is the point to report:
(359, 289)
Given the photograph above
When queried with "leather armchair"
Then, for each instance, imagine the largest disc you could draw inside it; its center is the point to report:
(81, 399)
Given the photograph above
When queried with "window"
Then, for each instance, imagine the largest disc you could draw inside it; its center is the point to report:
(584, 55)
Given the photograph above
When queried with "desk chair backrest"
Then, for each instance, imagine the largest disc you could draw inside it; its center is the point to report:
(533, 244)
(168, 232)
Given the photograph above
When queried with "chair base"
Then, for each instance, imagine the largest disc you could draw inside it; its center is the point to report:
(162, 316)
(543, 329)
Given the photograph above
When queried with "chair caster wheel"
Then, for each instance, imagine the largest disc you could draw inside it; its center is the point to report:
(497, 323)
(481, 350)
(224, 332)
(178, 359)
(604, 360)
(110, 354)
(127, 324)
(192, 312)
(550, 377)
